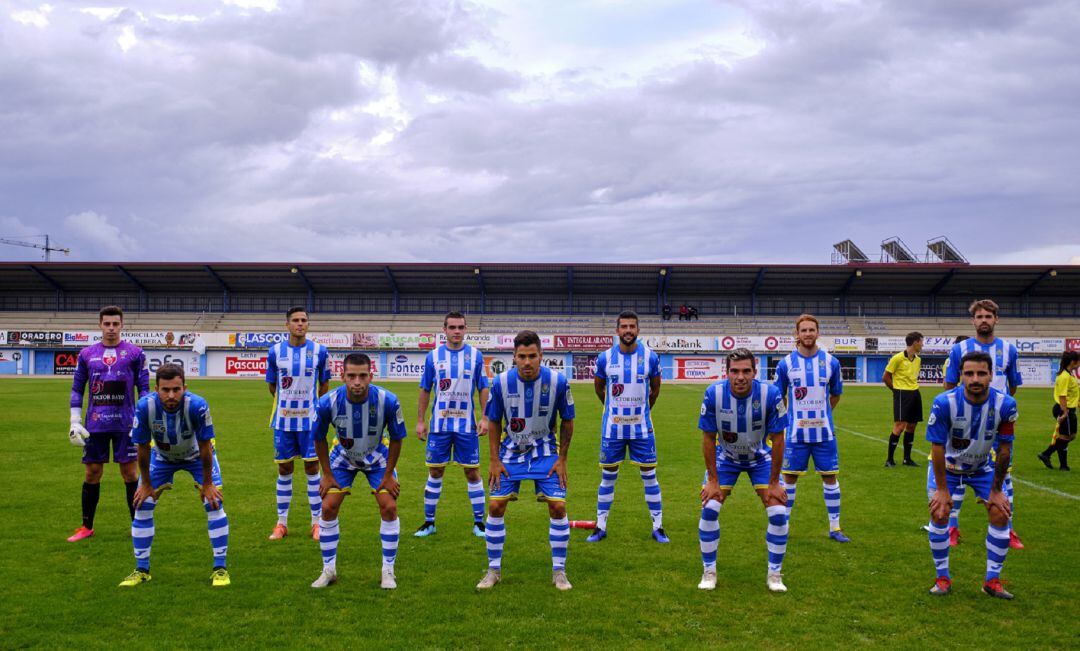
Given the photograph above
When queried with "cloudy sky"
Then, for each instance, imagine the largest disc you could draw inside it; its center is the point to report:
(556, 130)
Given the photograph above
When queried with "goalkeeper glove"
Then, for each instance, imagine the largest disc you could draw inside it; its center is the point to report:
(77, 434)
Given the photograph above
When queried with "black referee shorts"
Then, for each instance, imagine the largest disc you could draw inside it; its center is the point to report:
(907, 406)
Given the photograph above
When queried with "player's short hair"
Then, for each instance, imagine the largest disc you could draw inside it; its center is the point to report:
(912, 337)
(807, 317)
(626, 314)
(527, 338)
(110, 310)
(979, 357)
(356, 359)
(983, 304)
(960, 338)
(452, 315)
(293, 310)
(740, 354)
(169, 371)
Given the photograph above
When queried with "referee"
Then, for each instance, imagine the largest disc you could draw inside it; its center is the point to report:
(902, 377)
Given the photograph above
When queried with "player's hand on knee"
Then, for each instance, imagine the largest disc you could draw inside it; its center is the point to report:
(389, 484)
(212, 495)
(998, 500)
(775, 494)
(940, 505)
(327, 484)
(78, 434)
(142, 493)
(559, 468)
(711, 491)
(495, 472)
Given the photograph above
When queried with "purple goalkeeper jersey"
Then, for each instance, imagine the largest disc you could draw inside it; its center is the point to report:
(113, 374)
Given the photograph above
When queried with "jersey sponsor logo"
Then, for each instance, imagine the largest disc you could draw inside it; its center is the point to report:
(517, 425)
(959, 443)
(731, 437)
(800, 393)
(346, 443)
(109, 393)
(626, 420)
(445, 384)
(807, 423)
(453, 413)
(291, 412)
(286, 382)
(617, 390)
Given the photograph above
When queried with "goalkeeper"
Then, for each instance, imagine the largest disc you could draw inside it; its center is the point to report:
(113, 368)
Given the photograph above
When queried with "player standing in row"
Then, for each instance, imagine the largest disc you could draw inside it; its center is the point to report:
(360, 413)
(114, 369)
(737, 415)
(902, 378)
(627, 382)
(965, 424)
(178, 424)
(297, 373)
(810, 380)
(454, 371)
(527, 400)
(1004, 376)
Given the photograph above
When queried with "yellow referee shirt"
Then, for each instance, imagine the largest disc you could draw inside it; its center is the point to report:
(1066, 386)
(905, 372)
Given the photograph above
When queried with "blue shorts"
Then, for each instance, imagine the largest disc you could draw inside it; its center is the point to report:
(345, 474)
(294, 445)
(728, 473)
(162, 471)
(797, 458)
(547, 488)
(981, 482)
(466, 449)
(642, 451)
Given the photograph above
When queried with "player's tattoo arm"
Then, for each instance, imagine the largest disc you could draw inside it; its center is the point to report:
(1001, 468)
(600, 388)
(566, 432)
(654, 390)
(777, 441)
(887, 379)
(708, 450)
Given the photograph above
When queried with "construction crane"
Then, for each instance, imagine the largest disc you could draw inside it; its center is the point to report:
(47, 248)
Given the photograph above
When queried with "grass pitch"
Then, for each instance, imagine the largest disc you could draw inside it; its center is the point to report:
(628, 590)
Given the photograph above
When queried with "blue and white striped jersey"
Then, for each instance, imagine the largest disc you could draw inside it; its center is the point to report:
(360, 426)
(627, 414)
(969, 431)
(527, 411)
(743, 424)
(176, 434)
(453, 376)
(808, 383)
(1005, 372)
(296, 372)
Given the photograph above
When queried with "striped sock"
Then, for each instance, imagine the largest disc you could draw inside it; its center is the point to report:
(495, 536)
(284, 497)
(954, 514)
(142, 533)
(389, 532)
(709, 533)
(432, 491)
(217, 526)
(939, 548)
(314, 501)
(790, 488)
(559, 537)
(329, 533)
(832, 504)
(776, 536)
(476, 498)
(997, 545)
(605, 496)
(652, 497)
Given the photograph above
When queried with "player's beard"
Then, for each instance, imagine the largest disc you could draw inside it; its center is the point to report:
(985, 329)
(628, 339)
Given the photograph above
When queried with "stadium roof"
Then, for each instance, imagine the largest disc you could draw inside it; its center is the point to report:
(545, 278)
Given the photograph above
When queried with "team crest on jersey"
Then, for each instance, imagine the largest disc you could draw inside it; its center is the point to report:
(123, 353)
(800, 393)
(545, 389)
(373, 411)
(108, 356)
(616, 390)
(959, 443)
(517, 425)
(286, 382)
(444, 384)
(756, 404)
(346, 443)
(158, 428)
(731, 437)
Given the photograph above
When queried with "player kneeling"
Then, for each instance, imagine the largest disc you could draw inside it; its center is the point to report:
(178, 422)
(360, 412)
(737, 414)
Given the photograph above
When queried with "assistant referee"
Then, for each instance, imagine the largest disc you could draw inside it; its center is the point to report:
(902, 377)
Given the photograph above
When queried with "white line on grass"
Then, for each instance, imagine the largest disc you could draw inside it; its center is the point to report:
(1016, 479)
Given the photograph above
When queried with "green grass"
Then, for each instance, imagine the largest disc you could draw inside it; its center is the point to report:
(627, 590)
